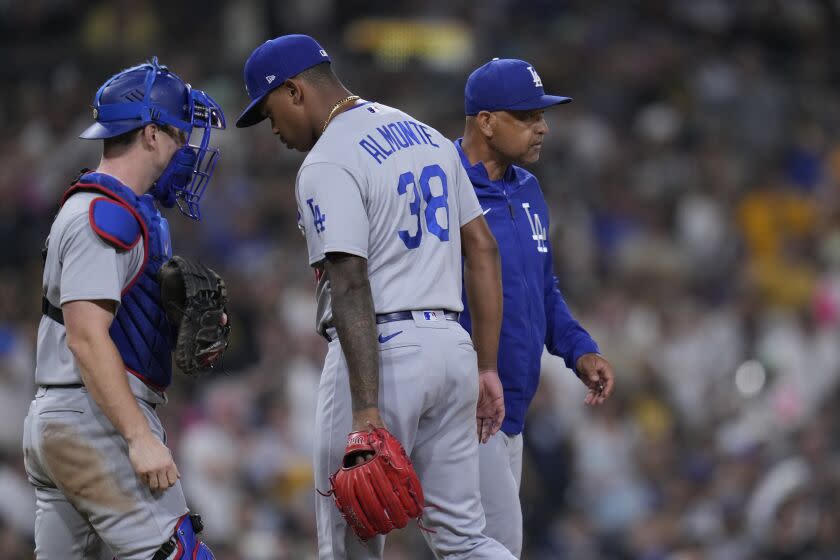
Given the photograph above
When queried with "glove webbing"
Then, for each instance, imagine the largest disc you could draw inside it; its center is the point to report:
(198, 278)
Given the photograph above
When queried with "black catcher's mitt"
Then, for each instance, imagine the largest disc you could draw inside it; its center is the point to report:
(194, 298)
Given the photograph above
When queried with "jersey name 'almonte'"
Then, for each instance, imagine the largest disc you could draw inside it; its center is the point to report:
(381, 185)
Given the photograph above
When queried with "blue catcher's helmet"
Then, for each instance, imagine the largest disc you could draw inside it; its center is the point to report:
(151, 93)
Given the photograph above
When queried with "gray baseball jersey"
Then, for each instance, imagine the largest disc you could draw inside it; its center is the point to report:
(384, 186)
(381, 185)
(80, 266)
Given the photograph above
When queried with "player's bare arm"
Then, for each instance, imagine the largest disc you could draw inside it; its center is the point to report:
(355, 323)
(103, 373)
(483, 275)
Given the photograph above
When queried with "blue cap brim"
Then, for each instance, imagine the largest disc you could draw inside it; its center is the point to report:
(250, 116)
(540, 102)
(100, 131)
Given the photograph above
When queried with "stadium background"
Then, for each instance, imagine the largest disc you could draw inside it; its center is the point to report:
(694, 186)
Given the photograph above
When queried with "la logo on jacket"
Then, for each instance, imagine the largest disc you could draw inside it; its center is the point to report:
(537, 229)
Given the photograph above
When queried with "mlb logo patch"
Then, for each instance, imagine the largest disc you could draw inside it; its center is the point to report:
(430, 316)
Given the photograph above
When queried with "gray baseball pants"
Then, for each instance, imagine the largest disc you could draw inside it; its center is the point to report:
(90, 504)
(428, 390)
(500, 468)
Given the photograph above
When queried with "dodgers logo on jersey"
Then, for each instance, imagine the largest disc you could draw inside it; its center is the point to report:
(535, 77)
(317, 217)
(538, 233)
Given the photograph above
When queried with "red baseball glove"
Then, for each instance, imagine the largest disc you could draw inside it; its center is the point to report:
(381, 494)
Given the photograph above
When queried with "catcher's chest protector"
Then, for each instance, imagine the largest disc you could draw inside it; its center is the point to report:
(140, 330)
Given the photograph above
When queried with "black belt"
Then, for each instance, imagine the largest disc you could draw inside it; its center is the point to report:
(79, 386)
(406, 315)
(398, 316)
(51, 311)
(63, 386)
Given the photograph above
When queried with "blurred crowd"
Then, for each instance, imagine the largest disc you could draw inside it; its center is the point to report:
(694, 186)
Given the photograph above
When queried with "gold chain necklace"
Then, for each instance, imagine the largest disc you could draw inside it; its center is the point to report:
(335, 107)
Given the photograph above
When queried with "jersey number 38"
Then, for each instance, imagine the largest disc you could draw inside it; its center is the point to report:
(433, 204)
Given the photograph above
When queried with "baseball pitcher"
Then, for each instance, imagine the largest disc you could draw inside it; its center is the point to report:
(388, 211)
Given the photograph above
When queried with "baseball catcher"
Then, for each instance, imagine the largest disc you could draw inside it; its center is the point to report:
(94, 446)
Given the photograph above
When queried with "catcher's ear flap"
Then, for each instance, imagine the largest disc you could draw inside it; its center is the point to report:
(173, 292)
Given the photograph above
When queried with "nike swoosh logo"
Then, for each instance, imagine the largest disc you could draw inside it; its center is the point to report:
(384, 339)
(487, 211)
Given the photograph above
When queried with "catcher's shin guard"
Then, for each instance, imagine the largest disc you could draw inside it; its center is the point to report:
(184, 544)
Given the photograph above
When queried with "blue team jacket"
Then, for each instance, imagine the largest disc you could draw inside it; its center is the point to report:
(535, 313)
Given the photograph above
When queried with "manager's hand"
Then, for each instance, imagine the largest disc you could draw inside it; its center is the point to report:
(597, 374)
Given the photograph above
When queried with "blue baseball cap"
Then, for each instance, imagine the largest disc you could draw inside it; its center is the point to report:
(507, 84)
(274, 62)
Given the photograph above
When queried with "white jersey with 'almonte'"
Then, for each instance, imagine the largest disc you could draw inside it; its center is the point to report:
(381, 185)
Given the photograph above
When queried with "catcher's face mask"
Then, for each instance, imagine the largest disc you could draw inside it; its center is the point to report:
(150, 93)
(205, 116)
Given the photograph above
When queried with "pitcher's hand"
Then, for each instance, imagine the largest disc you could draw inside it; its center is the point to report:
(491, 405)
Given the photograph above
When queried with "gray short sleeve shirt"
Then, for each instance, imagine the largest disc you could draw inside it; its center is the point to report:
(384, 186)
(80, 265)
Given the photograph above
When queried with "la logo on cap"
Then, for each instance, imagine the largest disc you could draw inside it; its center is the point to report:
(535, 76)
